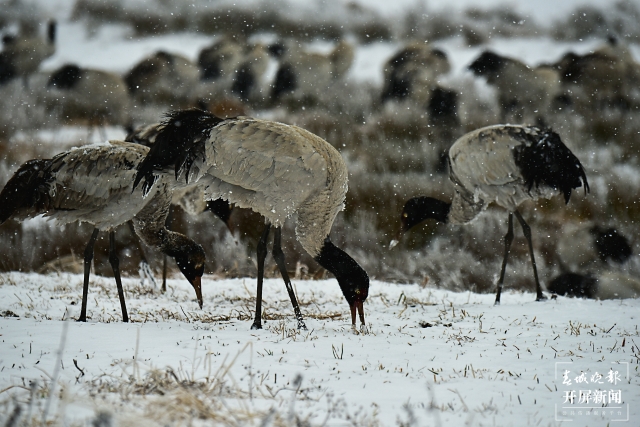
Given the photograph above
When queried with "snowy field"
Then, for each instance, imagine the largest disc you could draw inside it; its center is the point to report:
(428, 357)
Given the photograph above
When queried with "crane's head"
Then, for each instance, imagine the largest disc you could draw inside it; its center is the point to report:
(353, 280)
(419, 209)
(488, 64)
(190, 258)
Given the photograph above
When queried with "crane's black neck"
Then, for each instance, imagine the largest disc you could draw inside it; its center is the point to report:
(353, 280)
(420, 209)
(221, 209)
(189, 257)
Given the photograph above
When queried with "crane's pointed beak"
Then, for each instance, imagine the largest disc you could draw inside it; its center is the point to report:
(359, 306)
(396, 240)
(198, 288)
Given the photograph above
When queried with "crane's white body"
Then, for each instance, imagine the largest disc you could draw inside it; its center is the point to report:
(483, 170)
(276, 170)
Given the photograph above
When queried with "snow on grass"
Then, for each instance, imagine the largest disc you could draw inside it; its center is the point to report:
(429, 357)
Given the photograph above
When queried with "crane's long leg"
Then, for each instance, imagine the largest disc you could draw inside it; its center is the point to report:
(262, 254)
(278, 255)
(146, 268)
(527, 233)
(167, 222)
(508, 238)
(115, 265)
(88, 256)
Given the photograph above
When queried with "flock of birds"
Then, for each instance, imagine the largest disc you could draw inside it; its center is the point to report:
(277, 170)
(229, 74)
(230, 77)
(199, 159)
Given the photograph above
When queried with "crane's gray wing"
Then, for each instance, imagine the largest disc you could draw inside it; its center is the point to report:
(95, 183)
(483, 163)
(266, 166)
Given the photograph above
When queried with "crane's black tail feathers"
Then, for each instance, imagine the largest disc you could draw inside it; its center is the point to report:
(546, 160)
(27, 189)
(177, 145)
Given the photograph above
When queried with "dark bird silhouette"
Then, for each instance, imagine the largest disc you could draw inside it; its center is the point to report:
(603, 79)
(220, 59)
(274, 169)
(94, 184)
(601, 285)
(588, 247)
(248, 76)
(507, 165)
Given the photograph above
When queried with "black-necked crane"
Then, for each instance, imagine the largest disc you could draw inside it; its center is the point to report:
(506, 165)
(275, 169)
(163, 78)
(524, 93)
(94, 184)
(606, 78)
(413, 72)
(22, 54)
(304, 74)
(247, 80)
(588, 246)
(97, 96)
(191, 199)
(220, 59)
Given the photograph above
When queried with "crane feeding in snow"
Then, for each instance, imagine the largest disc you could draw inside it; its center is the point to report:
(94, 184)
(508, 165)
(272, 168)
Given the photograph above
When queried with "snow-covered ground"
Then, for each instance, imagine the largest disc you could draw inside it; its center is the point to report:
(429, 357)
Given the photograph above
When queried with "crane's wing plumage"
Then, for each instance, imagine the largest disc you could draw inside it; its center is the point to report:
(95, 184)
(510, 164)
(269, 167)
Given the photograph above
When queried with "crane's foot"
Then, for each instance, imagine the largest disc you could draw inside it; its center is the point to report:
(301, 325)
(81, 319)
(497, 302)
(541, 297)
(256, 325)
